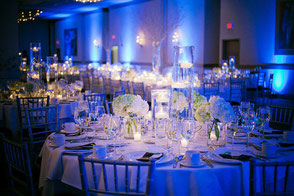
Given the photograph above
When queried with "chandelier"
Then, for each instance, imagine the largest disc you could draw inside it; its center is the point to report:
(88, 1)
(26, 15)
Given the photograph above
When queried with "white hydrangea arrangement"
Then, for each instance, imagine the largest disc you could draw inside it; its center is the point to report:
(179, 101)
(198, 100)
(129, 106)
(216, 110)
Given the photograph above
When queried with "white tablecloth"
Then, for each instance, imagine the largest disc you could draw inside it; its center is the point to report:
(220, 180)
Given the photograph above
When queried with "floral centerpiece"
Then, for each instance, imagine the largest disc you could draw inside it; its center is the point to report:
(179, 103)
(216, 110)
(130, 106)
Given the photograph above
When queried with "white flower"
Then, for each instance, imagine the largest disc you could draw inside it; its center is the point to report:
(202, 114)
(220, 109)
(179, 101)
(128, 105)
(198, 100)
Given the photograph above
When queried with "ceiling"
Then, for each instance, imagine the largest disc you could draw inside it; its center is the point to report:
(58, 9)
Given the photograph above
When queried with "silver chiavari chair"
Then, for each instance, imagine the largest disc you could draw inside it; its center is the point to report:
(19, 167)
(41, 123)
(210, 89)
(114, 169)
(282, 117)
(279, 170)
(24, 103)
(139, 89)
(125, 85)
(98, 98)
(97, 85)
(118, 93)
(237, 91)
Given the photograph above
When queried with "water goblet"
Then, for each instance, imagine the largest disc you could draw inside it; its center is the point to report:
(114, 129)
(173, 131)
(263, 115)
(189, 130)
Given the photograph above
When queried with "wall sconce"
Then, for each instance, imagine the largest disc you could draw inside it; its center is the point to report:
(175, 37)
(140, 40)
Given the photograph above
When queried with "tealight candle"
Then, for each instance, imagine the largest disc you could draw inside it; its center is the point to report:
(186, 65)
(137, 136)
(148, 116)
(184, 143)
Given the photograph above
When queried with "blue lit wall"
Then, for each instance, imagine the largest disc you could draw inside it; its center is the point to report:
(93, 31)
(254, 25)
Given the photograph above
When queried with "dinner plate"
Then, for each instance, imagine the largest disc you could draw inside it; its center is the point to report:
(74, 138)
(71, 145)
(165, 160)
(259, 153)
(237, 140)
(213, 156)
(185, 164)
(69, 132)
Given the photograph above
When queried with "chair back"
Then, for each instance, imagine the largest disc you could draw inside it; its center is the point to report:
(270, 172)
(99, 98)
(237, 90)
(270, 83)
(41, 122)
(210, 89)
(19, 167)
(108, 106)
(126, 86)
(261, 79)
(118, 93)
(139, 89)
(86, 81)
(24, 103)
(98, 85)
(119, 177)
(282, 117)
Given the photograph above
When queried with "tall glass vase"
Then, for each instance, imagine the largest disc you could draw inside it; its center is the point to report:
(156, 56)
(182, 83)
(35, 61)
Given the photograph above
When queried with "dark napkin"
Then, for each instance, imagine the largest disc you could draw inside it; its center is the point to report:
(285, 144)
(150, 155)
(82, 147)
(242, 157)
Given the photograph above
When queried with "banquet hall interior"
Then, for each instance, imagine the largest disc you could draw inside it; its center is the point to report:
(147, 97)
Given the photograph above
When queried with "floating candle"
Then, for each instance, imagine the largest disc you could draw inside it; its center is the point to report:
(186, 65)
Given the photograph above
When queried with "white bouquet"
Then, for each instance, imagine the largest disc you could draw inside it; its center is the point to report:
(220, 109)
(179, 101)
(130, 105)
(198, 100)
(216, 110)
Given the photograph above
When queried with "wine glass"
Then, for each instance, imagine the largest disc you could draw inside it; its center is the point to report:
(189, 129)
(173, 131)
(114, 129)
(263, 115)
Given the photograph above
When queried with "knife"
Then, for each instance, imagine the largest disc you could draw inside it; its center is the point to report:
(207, 161)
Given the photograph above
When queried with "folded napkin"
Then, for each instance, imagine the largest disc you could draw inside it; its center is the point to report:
(286, 144)
(242, 157)
(81, 147)
(150, 155)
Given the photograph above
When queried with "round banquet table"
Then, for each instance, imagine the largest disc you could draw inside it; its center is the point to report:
(9, 115)
(223, 179)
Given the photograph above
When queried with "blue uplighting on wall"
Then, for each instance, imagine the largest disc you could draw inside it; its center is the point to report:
(280, 59)
(280, 80)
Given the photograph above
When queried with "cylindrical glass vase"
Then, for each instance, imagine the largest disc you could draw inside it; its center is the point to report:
(182, 83)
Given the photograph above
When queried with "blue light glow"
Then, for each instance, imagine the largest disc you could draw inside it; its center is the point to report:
(280, 59)
(280, 80)
(56, 16)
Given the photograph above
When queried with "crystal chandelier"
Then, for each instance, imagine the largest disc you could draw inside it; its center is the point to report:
(88, 1)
